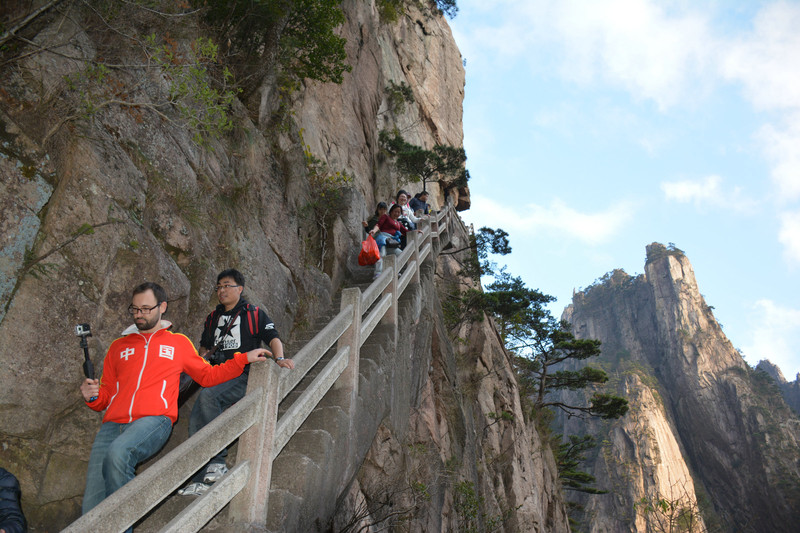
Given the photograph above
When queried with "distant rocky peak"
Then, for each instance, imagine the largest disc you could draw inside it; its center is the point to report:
(672, 263)
(772, 370)
(656, 250)
(696, 408)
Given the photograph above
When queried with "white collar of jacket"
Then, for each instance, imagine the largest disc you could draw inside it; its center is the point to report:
(165, 324)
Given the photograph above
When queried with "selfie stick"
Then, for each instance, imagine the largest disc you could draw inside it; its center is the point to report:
(88, 367)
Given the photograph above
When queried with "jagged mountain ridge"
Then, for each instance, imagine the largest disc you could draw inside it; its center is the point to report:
(789, 389)
(703, 426)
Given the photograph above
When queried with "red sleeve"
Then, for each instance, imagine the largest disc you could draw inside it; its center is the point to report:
(389, 225)
(208, 375)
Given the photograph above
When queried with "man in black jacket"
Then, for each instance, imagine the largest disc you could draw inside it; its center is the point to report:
(11, 518)
(419, 204)
(234, 326)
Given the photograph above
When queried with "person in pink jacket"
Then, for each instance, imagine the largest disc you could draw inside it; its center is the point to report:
(139, 391)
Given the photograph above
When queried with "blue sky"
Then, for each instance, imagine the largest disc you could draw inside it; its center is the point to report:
(595, 128)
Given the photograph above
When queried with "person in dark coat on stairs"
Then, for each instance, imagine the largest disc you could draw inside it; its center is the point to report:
(11, 518)
(234, 326)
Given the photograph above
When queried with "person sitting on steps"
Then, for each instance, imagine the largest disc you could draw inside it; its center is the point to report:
(138, 391)
(407, 216)
(11, 518)
(390, 229)
(372, 223)
(235, 325)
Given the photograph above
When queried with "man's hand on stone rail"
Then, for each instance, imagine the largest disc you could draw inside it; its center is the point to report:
(285, 363)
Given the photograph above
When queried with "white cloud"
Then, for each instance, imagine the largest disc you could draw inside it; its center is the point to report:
(765, 61)
(556, 219)
(666, 52)
(782, 148)
(775, 335)
(707, 192)
(789, 236)
(670, 53)
(636, 45)
(687, 191)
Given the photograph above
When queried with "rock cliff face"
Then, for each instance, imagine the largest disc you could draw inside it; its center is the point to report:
(463, 459)
(704, 429)
(97, 198)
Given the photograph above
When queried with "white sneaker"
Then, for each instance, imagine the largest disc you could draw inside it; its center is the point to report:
(214, 472)
(194, 489)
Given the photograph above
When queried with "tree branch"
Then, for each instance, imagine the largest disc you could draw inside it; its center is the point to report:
(9, 34)
(147, 105)
(161, 13)
(84, 230)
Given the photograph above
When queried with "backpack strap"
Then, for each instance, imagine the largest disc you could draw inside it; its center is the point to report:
(210, 322)
(252, 319)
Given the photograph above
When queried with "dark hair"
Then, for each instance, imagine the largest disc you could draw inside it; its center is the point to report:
(232, 273)
(158, 291)
(401, 191)
(381, 205)
(421, 194)
(398, 206)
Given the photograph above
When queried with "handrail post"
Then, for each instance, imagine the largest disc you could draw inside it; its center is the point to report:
(255, 446)
(423, 222)
(415, 243)
(352, 338)
(427, 237)
(391, 316)
(435, 234)
(444, 227)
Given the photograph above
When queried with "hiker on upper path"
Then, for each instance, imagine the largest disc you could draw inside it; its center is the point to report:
(419, 203)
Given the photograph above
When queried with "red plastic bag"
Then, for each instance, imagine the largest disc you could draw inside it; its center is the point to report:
(369, 254)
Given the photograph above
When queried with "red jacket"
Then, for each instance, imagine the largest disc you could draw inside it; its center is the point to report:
(141, 374)
(389, 225)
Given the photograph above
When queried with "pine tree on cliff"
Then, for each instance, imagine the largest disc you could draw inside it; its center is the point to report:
(542, 345)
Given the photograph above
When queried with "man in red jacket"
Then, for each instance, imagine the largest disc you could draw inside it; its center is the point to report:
(139, 391)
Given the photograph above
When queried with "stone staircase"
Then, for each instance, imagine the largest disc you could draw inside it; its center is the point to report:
(302, 434)
(305, 464)
(295, 503)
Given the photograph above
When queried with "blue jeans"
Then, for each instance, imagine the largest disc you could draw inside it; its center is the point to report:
(210, 403)
(380, 238)
(117, 449)
(385, 250)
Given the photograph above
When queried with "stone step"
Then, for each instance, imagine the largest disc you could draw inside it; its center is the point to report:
(372, 384)
(302, 466)
(307, 461)
(283, 505)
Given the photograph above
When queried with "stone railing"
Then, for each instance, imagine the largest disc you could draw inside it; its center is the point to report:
(254, 419)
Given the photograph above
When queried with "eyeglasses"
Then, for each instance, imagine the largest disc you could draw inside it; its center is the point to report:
(224, 287)
(143, 310)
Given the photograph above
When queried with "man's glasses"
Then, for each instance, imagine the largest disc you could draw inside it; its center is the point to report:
(225, 287)
(143, 310)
